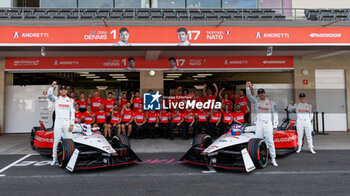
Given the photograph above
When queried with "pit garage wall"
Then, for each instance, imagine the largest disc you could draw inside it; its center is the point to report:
(2, 94)
(336, 62)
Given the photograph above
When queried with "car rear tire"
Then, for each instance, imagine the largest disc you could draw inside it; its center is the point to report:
(258, 151)
(121, 141)
(32, 136)
(65, 150)
(201, 141)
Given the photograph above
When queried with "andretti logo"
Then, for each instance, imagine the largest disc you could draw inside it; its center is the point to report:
(325, 35)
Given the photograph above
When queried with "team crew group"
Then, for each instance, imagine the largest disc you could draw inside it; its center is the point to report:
(127, 116)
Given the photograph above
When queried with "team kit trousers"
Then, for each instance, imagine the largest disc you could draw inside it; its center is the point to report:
(264, 129)
(60, 130)
(304, 125)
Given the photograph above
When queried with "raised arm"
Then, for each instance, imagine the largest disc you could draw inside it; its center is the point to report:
(220, 93)
(50, 92)
(205, 90)
(251, 98)
(292, 107)
(216, 89)
(178, 90)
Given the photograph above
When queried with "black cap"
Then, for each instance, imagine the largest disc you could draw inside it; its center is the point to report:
(63, 87)
(261, 91)
(302, 95)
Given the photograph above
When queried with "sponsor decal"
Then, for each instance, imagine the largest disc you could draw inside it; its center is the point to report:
(151, 101)
(17, 35)
(286, 139)
(274, 62)
(41, 139)
(26, 62)
(325, 35)
(96, 35)
(260, 35)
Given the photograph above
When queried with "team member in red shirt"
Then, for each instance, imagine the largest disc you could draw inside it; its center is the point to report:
(201, 121)
(177, 119)
(136, 101)
(139, 122)
(164, 123)
(109, 102)
(225, 100)
(214, 121)
(89, 116)
(115, 120)
(152, 124)
(127, 118)
(123, 101)
(190, 116)
(209, 96)
(238, 116)
(82, 102)
(78, 115)
(227, 119)
(101, 121)
(243, 101)
(95, 102)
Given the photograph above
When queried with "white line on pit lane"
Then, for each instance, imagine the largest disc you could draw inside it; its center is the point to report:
(302, 172)
(12, 164)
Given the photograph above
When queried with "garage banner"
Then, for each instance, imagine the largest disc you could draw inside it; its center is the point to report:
(139, 63)
(173, 36)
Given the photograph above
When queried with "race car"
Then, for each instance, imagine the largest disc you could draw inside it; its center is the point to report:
(87, 148)
(238, 149)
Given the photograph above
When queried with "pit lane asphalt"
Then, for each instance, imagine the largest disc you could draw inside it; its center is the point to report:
(327, 173)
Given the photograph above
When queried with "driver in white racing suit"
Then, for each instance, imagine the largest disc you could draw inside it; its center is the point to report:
(65, 116)
(266, 119)
(304, 121)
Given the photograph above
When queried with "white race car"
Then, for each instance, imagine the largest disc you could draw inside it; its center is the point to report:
(87, 148)
(238, 149)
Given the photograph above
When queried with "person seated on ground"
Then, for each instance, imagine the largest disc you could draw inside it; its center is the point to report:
(78, 115)
(164, 123)
(225, 100)
(238, 116)
(127, 118)
(139, 122)
(201, 121)
(101, 121)
(89, 116)
(152, 124)
(115, 120)
(177, 119)
(227, 119)
(189, 115)
(214, 122)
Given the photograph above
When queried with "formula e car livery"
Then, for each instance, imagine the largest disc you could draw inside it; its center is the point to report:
(86, 149)
(238, 149)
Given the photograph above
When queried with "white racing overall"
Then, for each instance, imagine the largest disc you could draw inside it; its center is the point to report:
(65, 116)
(266, 120)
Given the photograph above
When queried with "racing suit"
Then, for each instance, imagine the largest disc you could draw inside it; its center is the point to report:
(266, 120)
(304, 117)
(65, 116)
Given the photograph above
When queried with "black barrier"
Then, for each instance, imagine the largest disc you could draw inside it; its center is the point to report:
(323, 129)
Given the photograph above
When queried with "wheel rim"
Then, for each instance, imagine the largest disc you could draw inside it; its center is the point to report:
(263, 154)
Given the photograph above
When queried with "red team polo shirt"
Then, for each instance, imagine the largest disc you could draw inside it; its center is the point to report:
(95, 103)
(190, 115)
(82, 104)
(177, 118)
(140, 116)
(136, 102)
(202, 116)
(115, 117)
(226, 102)
(164, 117)
(101, 117)
(152, 117)
(239, 116)
(243, 102)
(215, 116)
(227, 117)
(109, 103)
(78, 116)
(123, 103)
(87, 118)
(127, 115)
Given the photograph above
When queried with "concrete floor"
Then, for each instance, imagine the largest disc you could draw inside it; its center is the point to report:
(19, 144)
